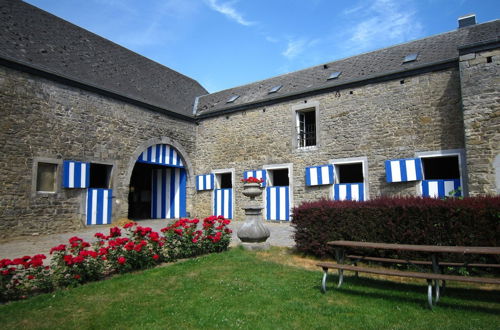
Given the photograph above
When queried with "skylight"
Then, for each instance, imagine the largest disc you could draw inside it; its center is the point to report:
(275, 89)
(334, 75)
(232, 99)
(410, 58)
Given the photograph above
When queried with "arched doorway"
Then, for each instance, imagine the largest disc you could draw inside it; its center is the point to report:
(158, 184)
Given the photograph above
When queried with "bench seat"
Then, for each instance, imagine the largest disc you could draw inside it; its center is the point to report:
(420, 262)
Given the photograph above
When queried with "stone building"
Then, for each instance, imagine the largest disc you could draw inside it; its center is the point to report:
(91, 132)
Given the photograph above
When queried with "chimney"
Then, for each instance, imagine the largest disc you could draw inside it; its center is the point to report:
(466, 20)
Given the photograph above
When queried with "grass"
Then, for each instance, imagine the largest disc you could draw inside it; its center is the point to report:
(240, 289)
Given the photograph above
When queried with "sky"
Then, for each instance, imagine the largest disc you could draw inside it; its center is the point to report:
(224, 44)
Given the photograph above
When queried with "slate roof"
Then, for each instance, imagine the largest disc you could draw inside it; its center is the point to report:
(431, 50)
(33, 37)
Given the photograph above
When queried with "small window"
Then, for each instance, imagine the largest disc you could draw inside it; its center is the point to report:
(46, 177)
(275, 89)
(279, 177)
(226, 181)
(100, 175)
(440, 168)
(349, 173)
(306, 128)
(232, 98)
(410, 58)
(334, 75)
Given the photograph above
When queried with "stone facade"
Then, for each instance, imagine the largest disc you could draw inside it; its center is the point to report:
(480, 86)
(394, 119)
(89, 100)
(44, 120)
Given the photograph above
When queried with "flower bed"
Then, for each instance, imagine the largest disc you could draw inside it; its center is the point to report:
(125, 249)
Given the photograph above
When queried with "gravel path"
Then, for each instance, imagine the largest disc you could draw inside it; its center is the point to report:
(281, 235)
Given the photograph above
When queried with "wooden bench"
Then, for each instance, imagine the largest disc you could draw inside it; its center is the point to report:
(433, 279)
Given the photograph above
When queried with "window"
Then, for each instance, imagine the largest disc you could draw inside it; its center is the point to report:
(46, 174)
(100, 175)
(306, 128)
(225, 180)
(279, 177)
(349, 173)
(440, 168)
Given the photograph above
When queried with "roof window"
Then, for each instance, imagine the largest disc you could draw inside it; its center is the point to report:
(232, 99)
(275, 89)
(410, 58)
(334, 75)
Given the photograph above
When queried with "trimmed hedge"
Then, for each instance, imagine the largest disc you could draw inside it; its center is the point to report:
(473, 221)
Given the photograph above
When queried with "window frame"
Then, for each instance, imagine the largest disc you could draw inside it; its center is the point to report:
(296, 111)
(216, 174)
(462, 166)
(355, 160)
(57, 176)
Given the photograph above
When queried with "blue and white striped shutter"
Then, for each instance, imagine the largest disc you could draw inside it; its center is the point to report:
(205, 182)
(223, 202)
(99, 205)
(168, 193)
(258, 174)
(401, 170)
(349, 192)
(76, 174)
(441, 188)
(319, 175)
(161, 154)
(278, 203)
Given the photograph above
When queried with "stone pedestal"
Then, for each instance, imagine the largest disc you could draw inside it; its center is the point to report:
(253, 233)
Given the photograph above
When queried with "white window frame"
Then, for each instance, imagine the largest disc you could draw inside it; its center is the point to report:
(354, 160)
(296, 111)
(446, 153)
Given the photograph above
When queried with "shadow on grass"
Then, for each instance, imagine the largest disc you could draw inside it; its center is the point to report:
(465, 294)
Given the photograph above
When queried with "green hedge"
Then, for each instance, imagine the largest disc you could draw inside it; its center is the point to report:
(473, 221)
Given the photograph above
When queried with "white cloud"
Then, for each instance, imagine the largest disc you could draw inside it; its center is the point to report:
(227, 10)
(295, 47)
(384, 22)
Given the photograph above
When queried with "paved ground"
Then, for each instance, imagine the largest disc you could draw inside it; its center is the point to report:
(281, 235)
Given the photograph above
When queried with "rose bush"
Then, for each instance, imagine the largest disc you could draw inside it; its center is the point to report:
(129, 248)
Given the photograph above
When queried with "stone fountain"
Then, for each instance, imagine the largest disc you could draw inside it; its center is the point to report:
(253, 233)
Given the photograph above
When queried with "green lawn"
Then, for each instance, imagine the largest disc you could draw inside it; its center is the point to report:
(239, 289)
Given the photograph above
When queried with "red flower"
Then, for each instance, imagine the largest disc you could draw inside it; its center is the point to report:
(178, 231)
(100, 235)
(121, 260)
(30, 277)
(252, 180)
(115, 232)
(128, 225)
(5, 272)
(60, 247)
(156, 257)
(76, 277)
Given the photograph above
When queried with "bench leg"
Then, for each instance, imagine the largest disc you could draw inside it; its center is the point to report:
(429, 293)
(323, 282)
(436, 289)
(341, 277)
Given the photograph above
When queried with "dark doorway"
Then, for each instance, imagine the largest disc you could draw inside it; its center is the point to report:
(225, 180)
(439, 168)
(280, 177)
(99, 175)
(139, 197)
(350, 173)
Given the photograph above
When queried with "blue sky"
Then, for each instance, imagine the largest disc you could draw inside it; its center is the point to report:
(223, 44)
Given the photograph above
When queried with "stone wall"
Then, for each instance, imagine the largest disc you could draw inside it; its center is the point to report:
(480, 83)
(41, 119)
(382, 121)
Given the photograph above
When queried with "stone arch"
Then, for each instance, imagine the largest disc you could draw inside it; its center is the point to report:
(151, 142)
